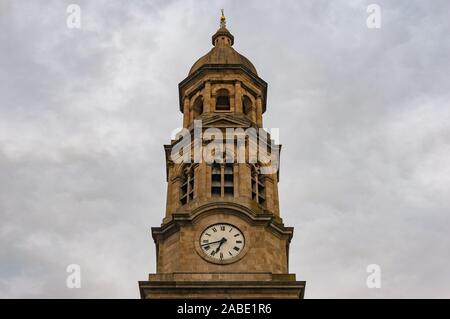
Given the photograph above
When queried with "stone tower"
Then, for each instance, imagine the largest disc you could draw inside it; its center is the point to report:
(222, 235)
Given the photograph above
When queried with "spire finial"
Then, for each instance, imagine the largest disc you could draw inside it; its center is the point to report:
(223, 21)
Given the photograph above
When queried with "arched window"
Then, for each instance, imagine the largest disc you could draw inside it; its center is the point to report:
(222, 100)
(198, 107)
(187, 186)
(216, 180)
(222, 180)
(246, 105)
(258, 188)
(228, 180)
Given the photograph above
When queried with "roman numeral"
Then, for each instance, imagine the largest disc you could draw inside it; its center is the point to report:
(236, 235)
(221, 256)
(236, 248)
(205, 241)
(213, 253)
(222, 228)
(214, 229)
(206, 247)
(207, 234)
(238, 241)
(230, 253)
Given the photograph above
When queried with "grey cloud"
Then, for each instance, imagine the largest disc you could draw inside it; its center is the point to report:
(363, 117)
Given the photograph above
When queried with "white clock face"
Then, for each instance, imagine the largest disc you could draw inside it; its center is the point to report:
(222, 242)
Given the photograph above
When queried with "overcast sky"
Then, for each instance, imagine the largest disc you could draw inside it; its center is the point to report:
(364, 118)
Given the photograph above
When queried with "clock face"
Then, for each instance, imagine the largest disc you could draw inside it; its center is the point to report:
(222, 242)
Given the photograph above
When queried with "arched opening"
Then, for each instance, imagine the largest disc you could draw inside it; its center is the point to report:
(222, 180)
(246, 105)
(258, 187)
(198, 107)
(187, 186)
(222, 100)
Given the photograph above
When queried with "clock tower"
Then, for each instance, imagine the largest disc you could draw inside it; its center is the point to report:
(222, 235)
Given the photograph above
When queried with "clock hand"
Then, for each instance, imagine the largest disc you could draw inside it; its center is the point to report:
(221, 243)
(214, 242)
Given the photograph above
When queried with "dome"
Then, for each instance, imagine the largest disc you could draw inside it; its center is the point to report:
(223, 53)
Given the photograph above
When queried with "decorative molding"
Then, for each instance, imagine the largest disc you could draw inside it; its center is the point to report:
(267, 219)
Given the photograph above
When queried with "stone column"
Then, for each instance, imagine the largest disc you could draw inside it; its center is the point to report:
(207, 98)
(253, 113)
(203, 180)
(268, 186)
(212, 104)
(259, 112)
(236, 180)
(173, 195)
(238, 97)
(191, 111)
(169, 209)
(222, 181)
(208, 173)
(186, 115)
(276, 203)
(245, 180)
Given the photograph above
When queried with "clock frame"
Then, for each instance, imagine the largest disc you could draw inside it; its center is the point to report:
(238, 250)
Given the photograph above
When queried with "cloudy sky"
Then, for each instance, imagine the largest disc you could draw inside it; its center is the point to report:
(364, 118)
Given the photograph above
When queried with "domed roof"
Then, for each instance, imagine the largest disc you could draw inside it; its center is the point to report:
(223, 53)
(221, 57)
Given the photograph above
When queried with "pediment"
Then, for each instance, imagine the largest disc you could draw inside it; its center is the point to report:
(226, 121)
